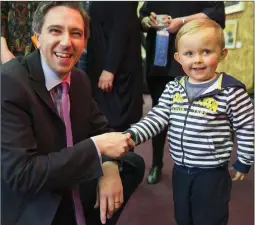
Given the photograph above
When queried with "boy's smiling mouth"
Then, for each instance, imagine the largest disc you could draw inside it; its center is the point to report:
(198, 68)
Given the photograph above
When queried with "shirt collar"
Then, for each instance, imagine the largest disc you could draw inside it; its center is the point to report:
(51, 78)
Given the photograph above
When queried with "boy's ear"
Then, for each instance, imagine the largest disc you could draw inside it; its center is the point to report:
(224, 53)
(177, 57)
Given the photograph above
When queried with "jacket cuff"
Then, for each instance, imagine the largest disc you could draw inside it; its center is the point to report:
(240, 167)
(133, 135)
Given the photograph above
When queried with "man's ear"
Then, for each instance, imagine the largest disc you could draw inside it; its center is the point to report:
(86, 42)
(224, 53)
(37, 41)
(177, 57)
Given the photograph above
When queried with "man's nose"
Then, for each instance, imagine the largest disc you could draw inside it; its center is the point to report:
(65, 40)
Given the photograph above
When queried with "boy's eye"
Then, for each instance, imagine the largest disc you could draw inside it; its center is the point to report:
(188, 53)
(206, 51)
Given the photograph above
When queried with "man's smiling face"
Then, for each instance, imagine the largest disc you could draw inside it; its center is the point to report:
(61, 41)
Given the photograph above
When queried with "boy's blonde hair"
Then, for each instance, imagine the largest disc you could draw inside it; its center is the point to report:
(200, 24)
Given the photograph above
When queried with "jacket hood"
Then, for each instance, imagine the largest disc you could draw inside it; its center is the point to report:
(224, 81)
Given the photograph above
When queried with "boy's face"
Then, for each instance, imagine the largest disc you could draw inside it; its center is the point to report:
(61, 41)
(199, 54)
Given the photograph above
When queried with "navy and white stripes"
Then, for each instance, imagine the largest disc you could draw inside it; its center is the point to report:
(200, 132)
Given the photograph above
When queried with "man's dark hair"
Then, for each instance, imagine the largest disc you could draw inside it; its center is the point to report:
(44, 7)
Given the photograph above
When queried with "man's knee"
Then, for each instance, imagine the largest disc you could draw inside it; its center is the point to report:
(135, 166)
(140, 165)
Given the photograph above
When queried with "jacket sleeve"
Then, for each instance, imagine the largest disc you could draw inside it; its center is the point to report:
(216, 11)
(241, 115)
(156, 120)
(26, 170)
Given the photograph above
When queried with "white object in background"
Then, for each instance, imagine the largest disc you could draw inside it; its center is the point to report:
(160, 18)
(234, 6)
(230, 33)
(238, 44)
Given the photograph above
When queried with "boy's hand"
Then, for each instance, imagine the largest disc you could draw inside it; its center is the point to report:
(236, 175)
(114, 144)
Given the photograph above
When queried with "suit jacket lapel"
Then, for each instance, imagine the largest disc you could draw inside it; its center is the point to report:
(38, 84)
(38, 80)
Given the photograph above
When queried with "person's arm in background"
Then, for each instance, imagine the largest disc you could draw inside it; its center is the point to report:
(212, 10)
(116, 44)
(144, 16)
(216, 12)
(6, 54)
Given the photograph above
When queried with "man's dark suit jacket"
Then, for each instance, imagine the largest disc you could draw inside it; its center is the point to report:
(36, 165)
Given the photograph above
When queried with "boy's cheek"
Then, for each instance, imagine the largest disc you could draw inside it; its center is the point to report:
(213, 61)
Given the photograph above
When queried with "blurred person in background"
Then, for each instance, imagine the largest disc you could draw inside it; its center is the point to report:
(82, 63)
(16, 28)
(115, 63)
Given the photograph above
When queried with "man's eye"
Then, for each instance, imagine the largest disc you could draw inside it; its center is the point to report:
(55, 31)
(77, 34)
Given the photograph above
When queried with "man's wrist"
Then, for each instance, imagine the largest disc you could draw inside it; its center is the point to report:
(110, 167)
(118, 163)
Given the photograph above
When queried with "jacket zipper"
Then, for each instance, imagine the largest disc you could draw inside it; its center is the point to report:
(184, 125)
(210, 94)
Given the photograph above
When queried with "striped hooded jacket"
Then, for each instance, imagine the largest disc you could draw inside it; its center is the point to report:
(200, 133)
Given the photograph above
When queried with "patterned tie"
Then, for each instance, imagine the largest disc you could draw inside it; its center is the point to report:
(79, 215)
